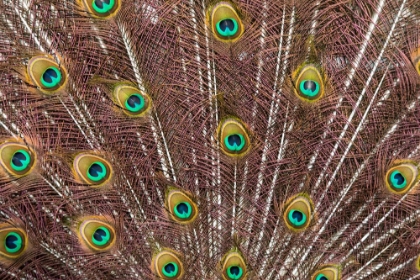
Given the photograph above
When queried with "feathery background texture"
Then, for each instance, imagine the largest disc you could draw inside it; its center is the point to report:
(209, 139)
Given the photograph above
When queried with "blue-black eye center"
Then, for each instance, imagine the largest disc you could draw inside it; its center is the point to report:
(323, 278)
(234, 139)
(99, 234)
(95, 170)
(169, 268)
(227, 23)
(297, 215)
(310, 85)
(234, 270)
(10, 242)
(400, 178)
(182, 208)
(17, 159)
(49, 75)
(100, 3)
(134, 101)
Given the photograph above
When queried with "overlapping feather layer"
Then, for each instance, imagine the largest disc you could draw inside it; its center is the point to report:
(209, 139)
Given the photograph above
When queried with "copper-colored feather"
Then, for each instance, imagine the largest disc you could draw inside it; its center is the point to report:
(209, 139)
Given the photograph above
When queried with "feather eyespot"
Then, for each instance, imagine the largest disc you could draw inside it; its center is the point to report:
(321, 276)
(233, 266)
(233, 137)
(415, 58)
(401, 177)
(328, 272)
(13, 242)
(225, 22)
(16, 159)
(51, 77)
(104, 9)
(298, 212)
(46, 74)
(97, 235)
(135, 102)
(308, 83)
(167, 265)
(103, 6)
(183, 210)
(92, 169)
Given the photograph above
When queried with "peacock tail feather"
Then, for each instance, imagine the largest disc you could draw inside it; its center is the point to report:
(210, 139)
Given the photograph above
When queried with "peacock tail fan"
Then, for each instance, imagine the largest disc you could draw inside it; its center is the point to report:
(211, 139)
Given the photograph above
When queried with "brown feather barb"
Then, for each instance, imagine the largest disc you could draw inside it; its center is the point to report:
(215, 139)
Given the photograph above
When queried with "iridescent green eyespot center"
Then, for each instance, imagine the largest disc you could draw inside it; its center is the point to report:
(170, 269)
(398, 180)
(234, 272)
(321, 277)
(97, 171)
(309, 88)
(101, 236)
(20, 160)
(51, 77)
(297, 218)
(227, 27)
(183, 210)
(13, 242)
(234, 142)
(103, 6)
(135, 103)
